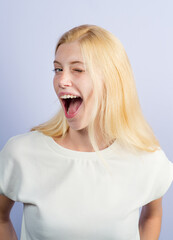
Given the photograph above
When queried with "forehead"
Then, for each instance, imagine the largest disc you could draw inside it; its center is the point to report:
(69, 52)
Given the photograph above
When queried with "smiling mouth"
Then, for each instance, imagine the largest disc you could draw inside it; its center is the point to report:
(71, 105)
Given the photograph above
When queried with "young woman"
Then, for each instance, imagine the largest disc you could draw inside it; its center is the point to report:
(85, 173)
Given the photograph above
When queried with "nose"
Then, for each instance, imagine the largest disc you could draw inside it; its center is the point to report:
(64, 79)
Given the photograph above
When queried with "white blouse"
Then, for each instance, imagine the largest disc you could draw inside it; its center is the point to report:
(70, 195)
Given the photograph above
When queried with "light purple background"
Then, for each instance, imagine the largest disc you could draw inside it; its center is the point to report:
(29, 32)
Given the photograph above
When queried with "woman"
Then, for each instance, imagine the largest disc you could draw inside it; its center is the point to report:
(85, 173)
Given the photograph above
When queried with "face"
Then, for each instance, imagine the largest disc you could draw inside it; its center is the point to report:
(71, 77)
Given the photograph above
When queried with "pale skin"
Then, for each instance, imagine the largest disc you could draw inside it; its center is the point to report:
(71, 80)
(7, 231)
(150, 220)
(68, 79)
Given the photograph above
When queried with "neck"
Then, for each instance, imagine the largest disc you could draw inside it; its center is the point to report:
(79, 141)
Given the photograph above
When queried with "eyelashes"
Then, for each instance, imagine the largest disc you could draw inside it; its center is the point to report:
(56, 70)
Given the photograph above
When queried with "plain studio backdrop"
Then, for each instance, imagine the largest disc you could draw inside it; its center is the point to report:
(29, 32)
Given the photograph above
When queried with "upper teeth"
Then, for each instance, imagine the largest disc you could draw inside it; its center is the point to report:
(68, 96)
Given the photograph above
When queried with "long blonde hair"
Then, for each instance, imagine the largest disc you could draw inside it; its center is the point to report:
(116, 100)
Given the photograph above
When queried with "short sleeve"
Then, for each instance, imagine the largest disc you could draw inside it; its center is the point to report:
(158, 175)
(10, 173)
(165, 174)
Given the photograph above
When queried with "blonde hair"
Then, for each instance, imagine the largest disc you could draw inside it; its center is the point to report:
(116, 100)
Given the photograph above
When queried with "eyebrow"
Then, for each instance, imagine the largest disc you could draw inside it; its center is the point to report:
(73, 62)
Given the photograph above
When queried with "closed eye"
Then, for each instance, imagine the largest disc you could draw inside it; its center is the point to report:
(60, 70)
(78, 70)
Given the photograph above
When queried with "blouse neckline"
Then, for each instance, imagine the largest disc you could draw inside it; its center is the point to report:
(77, 154)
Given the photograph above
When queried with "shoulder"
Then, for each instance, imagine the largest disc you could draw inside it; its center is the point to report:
(157, 159)
(19, 143)
(158, 168)
(157, 173)
(16, 165)
(149, 164)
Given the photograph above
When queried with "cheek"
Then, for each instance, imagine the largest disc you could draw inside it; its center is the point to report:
(88, 89)
(55, 84)
(89, 99)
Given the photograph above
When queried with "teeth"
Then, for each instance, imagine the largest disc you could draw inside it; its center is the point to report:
(68, 96)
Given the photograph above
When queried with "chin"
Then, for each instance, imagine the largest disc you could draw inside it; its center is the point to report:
(77, 127)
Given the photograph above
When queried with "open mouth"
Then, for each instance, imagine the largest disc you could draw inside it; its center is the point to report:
(71, 105)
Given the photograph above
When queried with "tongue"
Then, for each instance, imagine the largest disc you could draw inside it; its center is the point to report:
(74, 105)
